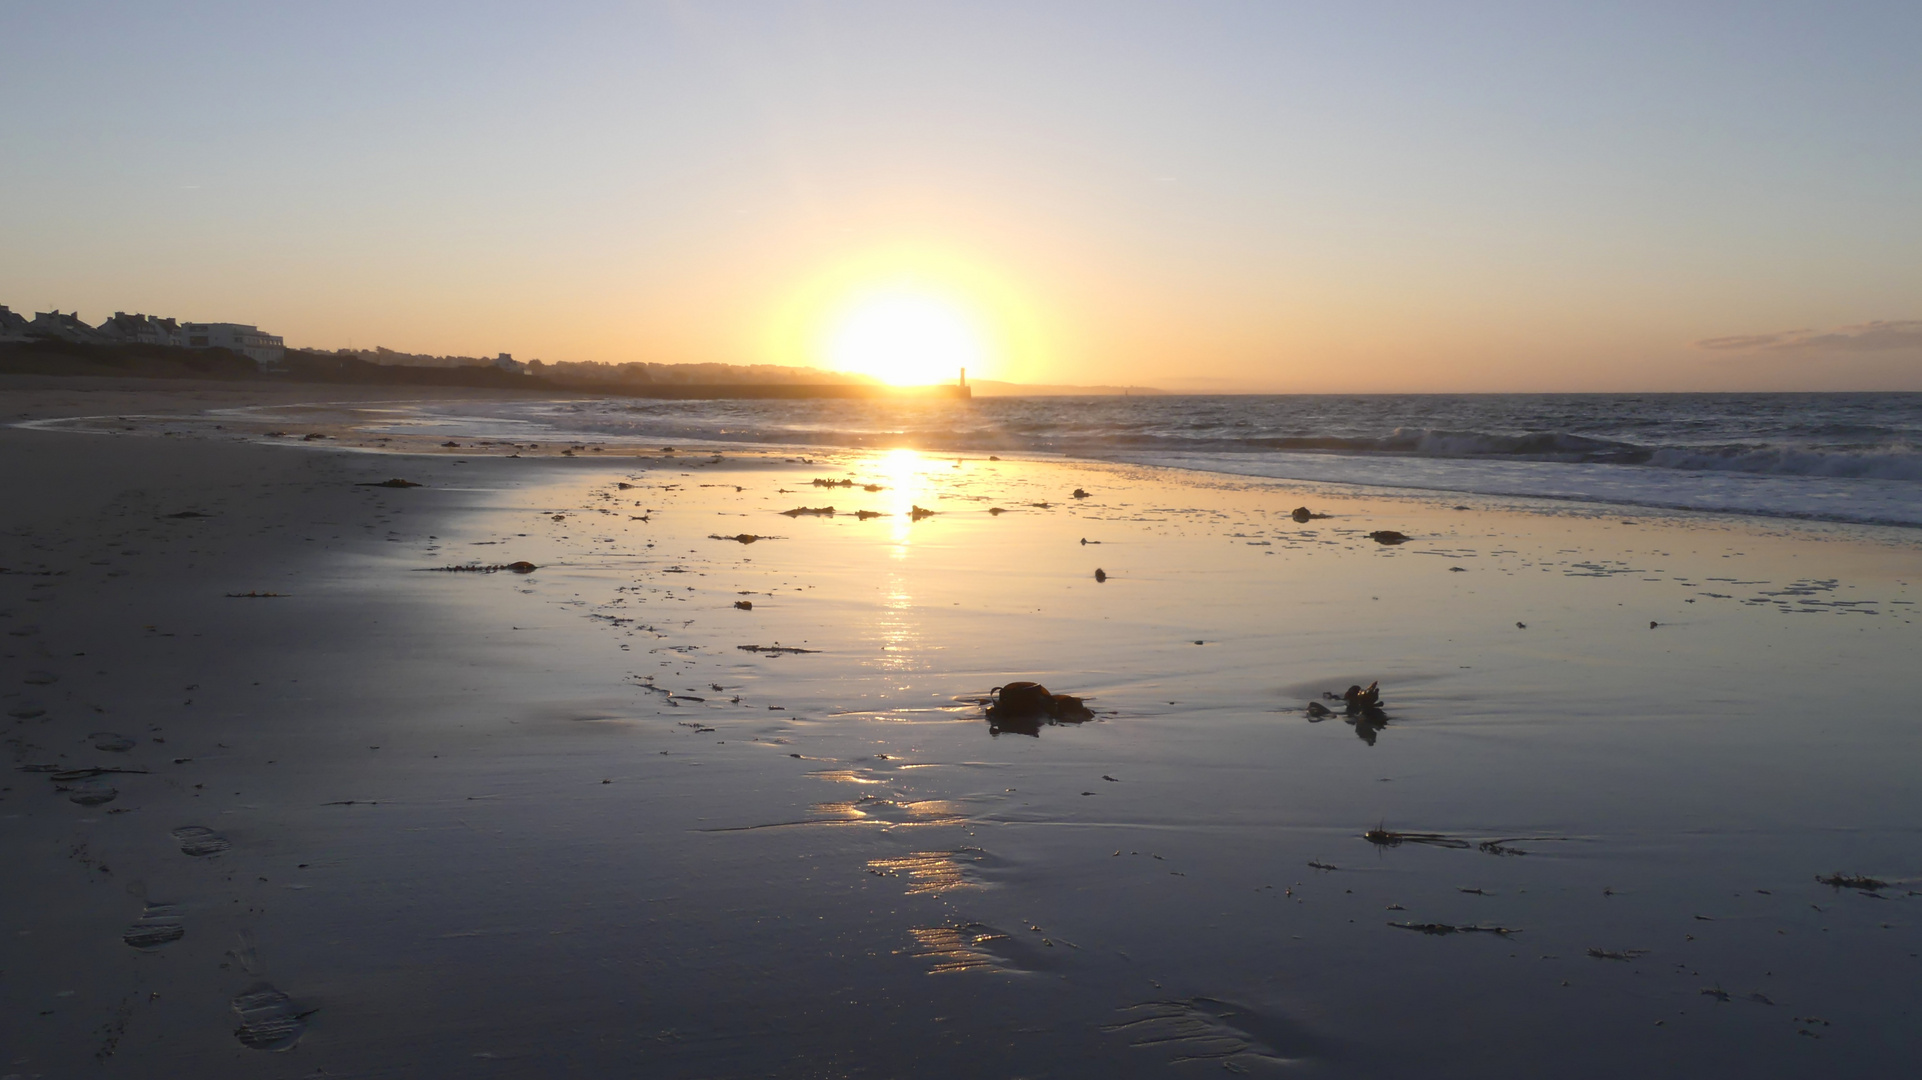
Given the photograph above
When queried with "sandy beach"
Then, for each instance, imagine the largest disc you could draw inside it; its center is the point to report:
(299, 786)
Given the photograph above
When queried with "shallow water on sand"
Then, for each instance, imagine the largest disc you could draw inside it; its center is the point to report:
(563, 821)
(1187, 875)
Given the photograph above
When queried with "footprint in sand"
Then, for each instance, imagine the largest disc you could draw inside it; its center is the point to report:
(93, 792)
(1202, 1029)
(159, 924)
(198, 840)
(269, 1019)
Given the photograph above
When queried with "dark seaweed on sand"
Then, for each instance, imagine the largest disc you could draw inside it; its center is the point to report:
(1449, 928)
(819, 511)
(1381, 837)
(522, 567)
(1840, 880)
(772, 649)
(1617, 954)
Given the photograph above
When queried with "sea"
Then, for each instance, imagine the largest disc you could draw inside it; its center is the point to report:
(1853, 457)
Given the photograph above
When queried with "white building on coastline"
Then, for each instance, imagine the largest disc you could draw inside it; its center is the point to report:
(123, 329)
(264, 349)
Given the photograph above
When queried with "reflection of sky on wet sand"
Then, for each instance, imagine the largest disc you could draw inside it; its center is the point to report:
(1697, 759)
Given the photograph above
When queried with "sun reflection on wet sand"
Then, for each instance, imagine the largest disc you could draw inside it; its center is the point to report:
(930, 871)
(955, 948)
(876, 810)
(904, 475)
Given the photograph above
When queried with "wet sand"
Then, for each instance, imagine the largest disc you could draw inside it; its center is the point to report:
(410, 822)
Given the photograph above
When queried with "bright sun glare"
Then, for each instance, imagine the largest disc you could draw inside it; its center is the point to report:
(905, 337)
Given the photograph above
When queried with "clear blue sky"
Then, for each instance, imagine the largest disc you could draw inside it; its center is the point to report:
(1256, 195)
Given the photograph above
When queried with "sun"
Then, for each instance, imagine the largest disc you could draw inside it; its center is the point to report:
(905, 336)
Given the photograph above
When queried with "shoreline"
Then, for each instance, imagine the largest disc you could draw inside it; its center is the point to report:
(353, 421)
(508, 820)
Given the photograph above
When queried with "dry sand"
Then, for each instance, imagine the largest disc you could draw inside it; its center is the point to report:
(416, 823)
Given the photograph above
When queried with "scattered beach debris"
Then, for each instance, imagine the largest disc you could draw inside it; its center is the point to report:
(199, 841)
(1438, 929)
(1359, 699)
(1716, 992)
(1385, 837)
(159, 924)
(188, 514)
(269, 1020)
(1839, 880)
(863, 515)
(1304, 515)
(252, 594)
(744, 605)
(624, 485)
(775, 648)
(818, 511)
(1318, 711)
(111, 742)
(521, 567)
(916, 513)
(1042, 506)
(743, 538)
(311, 436)
(396, 482)
(996, 511)
(833, 483)
(1078, 494)
(1387, 536)
(1616, 954)
(1319, 865)
(1100, 574)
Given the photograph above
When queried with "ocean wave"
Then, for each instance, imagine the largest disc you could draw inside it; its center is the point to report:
(1902, 463)
(1840, 457)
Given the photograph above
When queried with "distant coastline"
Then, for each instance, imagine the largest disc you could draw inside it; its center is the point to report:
(57, 357)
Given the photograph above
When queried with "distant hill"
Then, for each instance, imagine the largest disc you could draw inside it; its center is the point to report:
(993, 388)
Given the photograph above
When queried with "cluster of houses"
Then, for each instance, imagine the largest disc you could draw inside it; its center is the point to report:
(124, 329)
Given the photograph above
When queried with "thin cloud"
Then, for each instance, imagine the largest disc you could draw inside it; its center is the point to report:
(1878, 336)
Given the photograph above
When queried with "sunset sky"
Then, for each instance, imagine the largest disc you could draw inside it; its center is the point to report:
(1199, 196)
